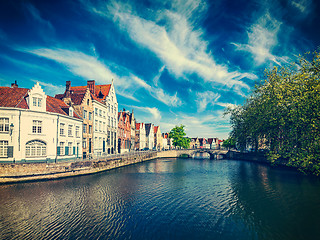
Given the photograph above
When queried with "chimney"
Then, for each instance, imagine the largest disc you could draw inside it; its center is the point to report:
(68, 85)
(91, 85)
(14, 85)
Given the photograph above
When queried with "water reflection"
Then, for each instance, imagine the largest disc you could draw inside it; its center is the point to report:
(166, 199)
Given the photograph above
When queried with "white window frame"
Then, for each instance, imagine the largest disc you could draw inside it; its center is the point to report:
(4, 125)
(4, 148)
(36, 126)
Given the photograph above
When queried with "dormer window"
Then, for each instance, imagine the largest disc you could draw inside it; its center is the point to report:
(36, 102)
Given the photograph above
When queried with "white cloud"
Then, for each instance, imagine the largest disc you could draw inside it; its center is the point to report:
(154, 113)
(262, 37)
(90, 67)
(206, 98)
(174, 38)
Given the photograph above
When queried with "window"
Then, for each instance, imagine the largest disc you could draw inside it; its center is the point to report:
(108, 107)
(96, 126)
(100, 112)
(3, 148)
(84, 143)
(85, 114)
(90, 116)
(61, 129)
(36, 148)
(70, 131)
(104, 127)
(104, 114)
(36, 102)
(61, 148)
(96, 111)
(108, 120)
(108, 137)
(88, 102)
(36, 126)
(90, 129)
(77, 131)
(99, 126)
(84, 128)
(4, 124)
(70, 148)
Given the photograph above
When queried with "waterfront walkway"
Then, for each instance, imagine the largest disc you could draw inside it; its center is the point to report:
(24, 172)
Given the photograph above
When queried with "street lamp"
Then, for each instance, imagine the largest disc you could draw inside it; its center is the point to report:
(11, 128)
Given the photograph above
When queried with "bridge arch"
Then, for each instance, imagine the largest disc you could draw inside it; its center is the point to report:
(190, 153)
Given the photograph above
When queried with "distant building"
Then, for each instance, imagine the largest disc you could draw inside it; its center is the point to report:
(35, 127)
(194, 143)
(212, 143)
(149, 135)
(167, 142)
(158, 142)
(124, 132)
(140, 137)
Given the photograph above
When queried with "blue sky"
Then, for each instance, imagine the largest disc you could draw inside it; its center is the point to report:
(173, 62)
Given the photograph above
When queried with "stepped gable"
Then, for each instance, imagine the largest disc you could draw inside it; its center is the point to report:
(16, 98)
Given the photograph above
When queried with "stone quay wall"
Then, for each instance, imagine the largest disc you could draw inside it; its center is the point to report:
(24, 172)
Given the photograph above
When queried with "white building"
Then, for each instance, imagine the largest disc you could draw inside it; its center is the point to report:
(149, 135)
(36, 127)
(140, 136)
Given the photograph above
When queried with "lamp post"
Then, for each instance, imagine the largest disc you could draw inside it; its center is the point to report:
(11, 129)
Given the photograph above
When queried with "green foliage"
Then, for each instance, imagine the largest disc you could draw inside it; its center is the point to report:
(283, 114)
(229, 143)
(177, 134)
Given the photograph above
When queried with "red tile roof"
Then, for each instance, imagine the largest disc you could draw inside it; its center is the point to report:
(13, 97)
(156, 129)
(104, 89)
(16, 97)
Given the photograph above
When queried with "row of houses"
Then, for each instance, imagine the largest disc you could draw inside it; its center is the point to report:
(211, 143)
(82, 122)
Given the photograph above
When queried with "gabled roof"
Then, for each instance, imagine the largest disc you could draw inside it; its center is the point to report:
(101, 91)
(13, 97)
(16, 97)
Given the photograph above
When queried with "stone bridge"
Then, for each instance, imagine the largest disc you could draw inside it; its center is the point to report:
(214, 154)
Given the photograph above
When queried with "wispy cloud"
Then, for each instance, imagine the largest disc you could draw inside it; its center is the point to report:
(91, 67)
(262, 38)
(172, 35)
(206, 98)
(154, 113)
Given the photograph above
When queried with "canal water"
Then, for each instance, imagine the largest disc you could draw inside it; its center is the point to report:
(166, 199)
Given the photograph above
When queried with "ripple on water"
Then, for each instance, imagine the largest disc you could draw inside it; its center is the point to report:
(165, 199)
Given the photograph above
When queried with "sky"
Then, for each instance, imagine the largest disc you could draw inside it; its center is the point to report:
(173, 62)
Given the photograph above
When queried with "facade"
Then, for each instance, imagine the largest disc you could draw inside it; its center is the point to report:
(104, 108)
(133, 130)
(167, 142)
(158, 142)
(124, 132)
(194, 143)
(140, 136)
(212, 143)
(35, 127)
(149, 135)
(82, 104)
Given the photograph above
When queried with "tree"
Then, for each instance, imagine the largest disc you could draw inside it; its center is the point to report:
(283, 112)
(178, 136)
(229, 143)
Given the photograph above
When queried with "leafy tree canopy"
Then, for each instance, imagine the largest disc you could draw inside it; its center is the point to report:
(178, 135)
(229, 143)
(283, 115)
